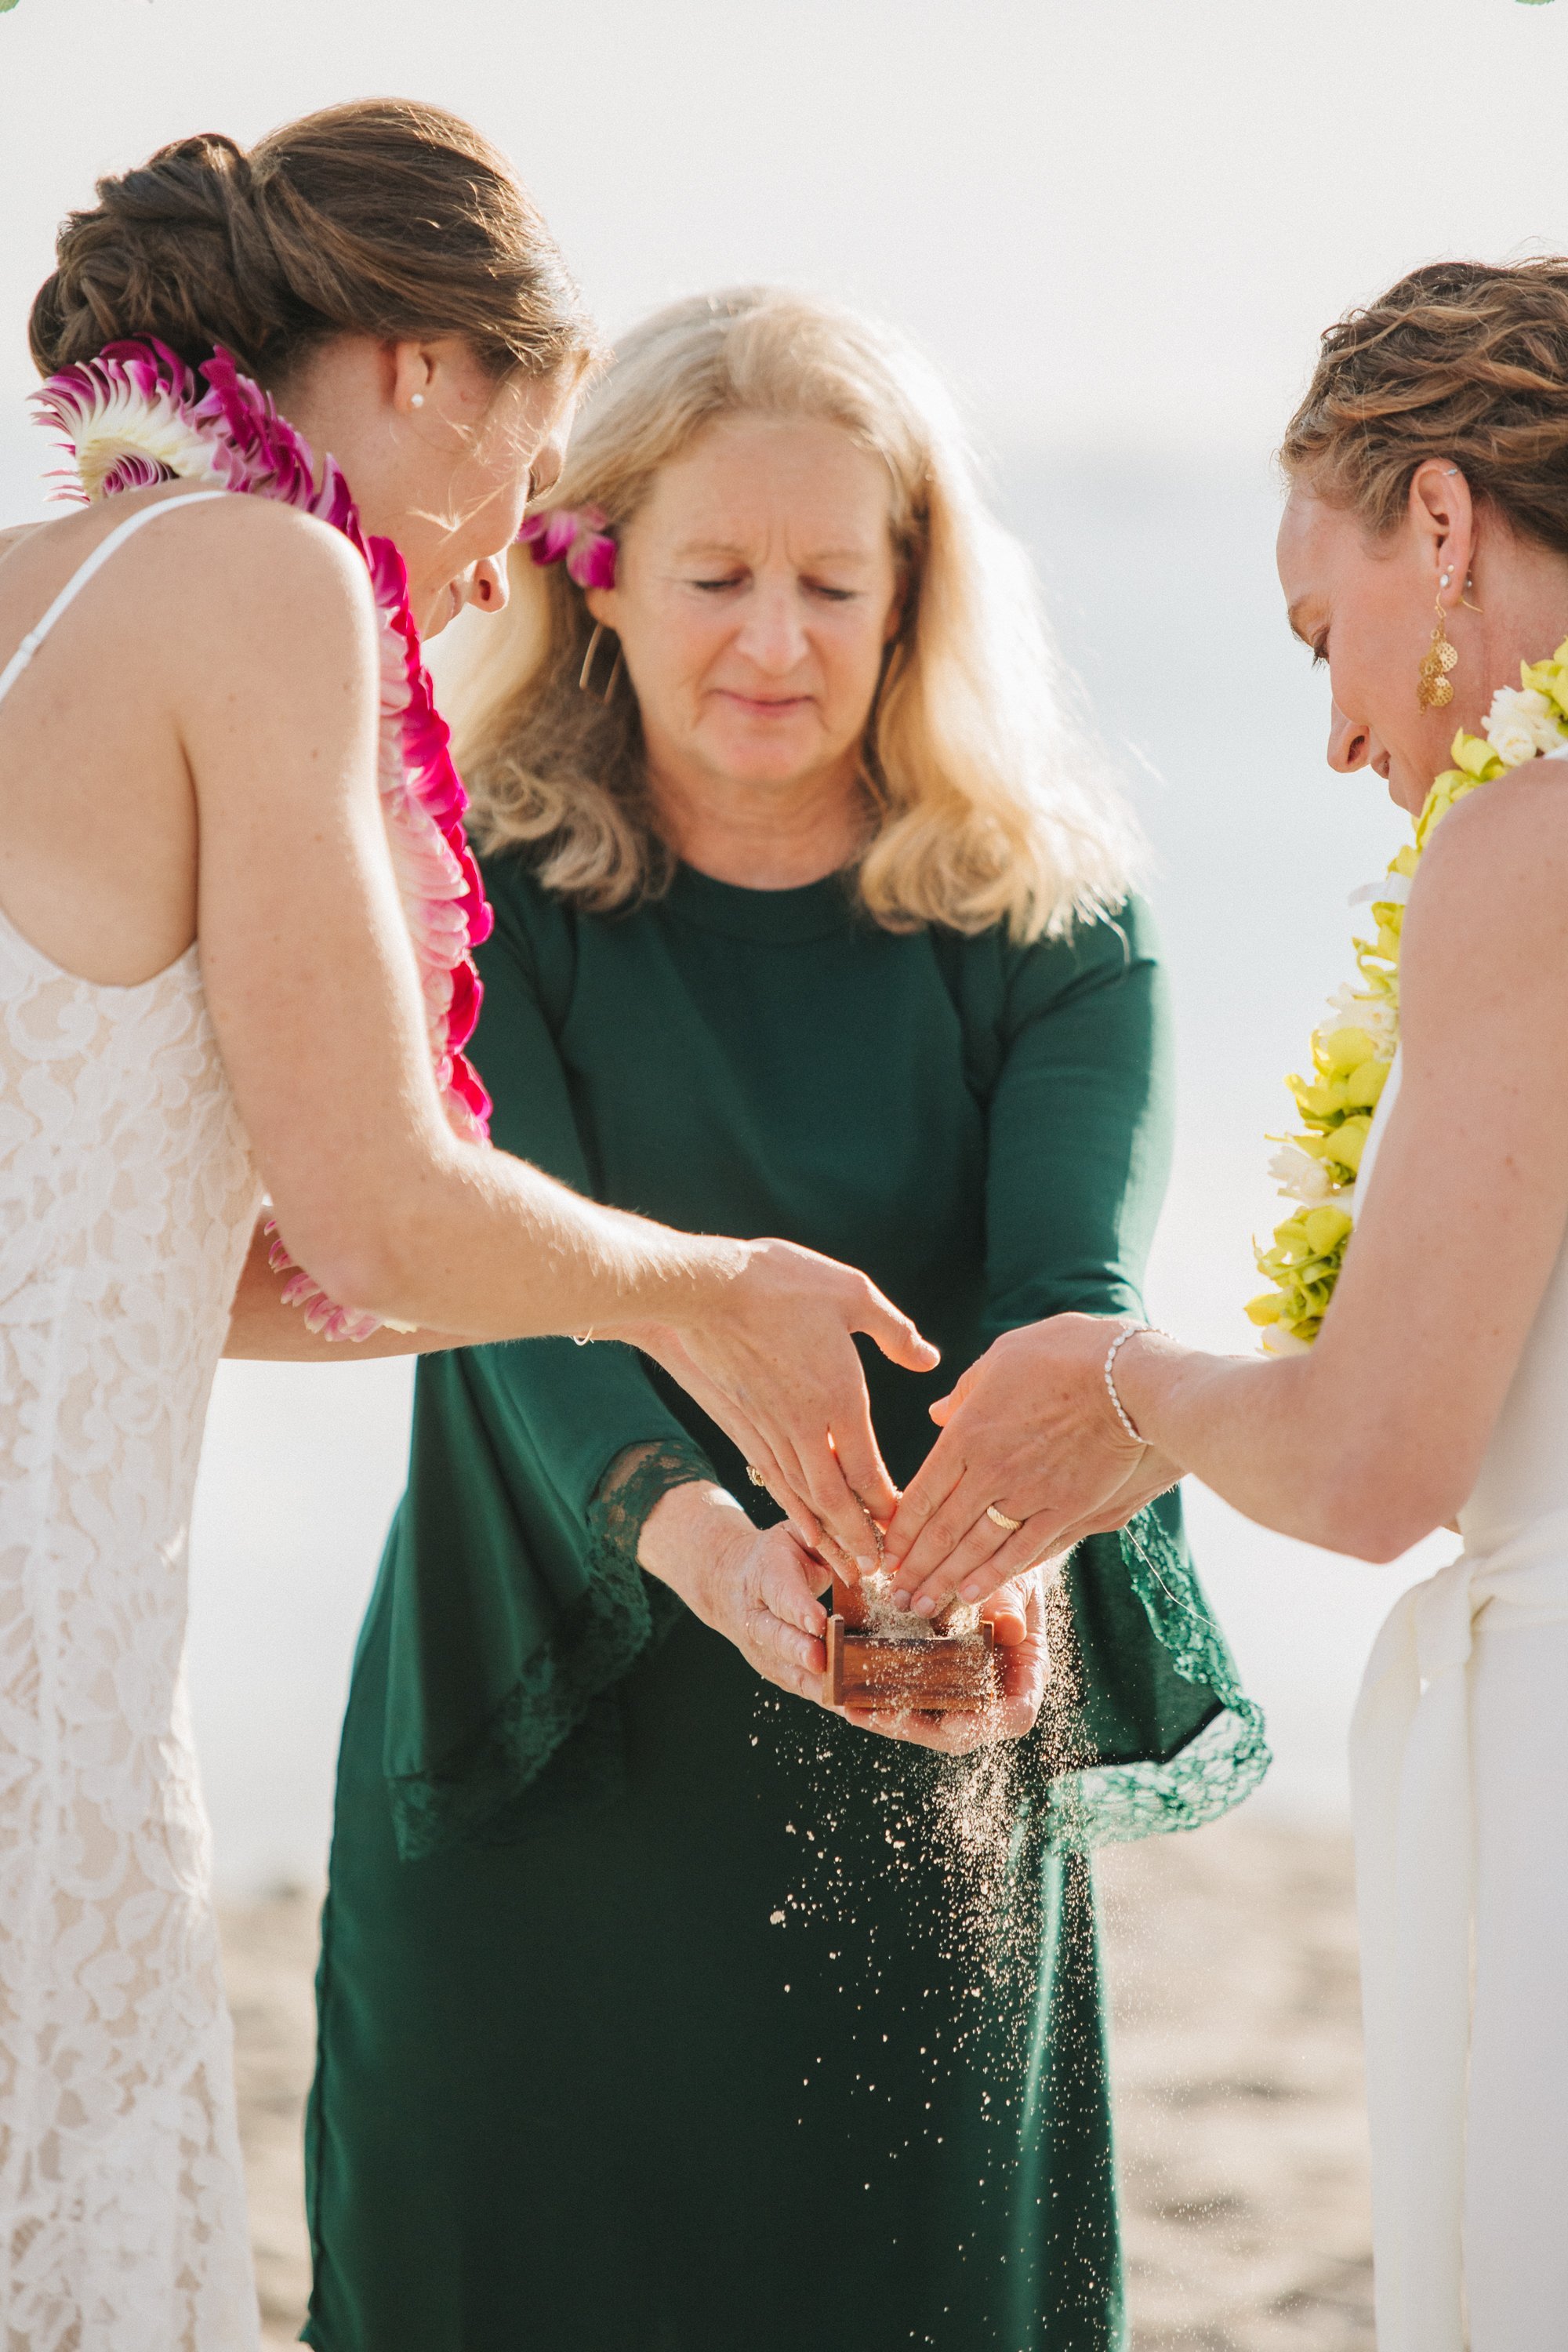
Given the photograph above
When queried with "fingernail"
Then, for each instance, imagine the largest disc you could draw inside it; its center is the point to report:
(867, 1567)
(925, 1605)
(901, 1600)
(971, 1592)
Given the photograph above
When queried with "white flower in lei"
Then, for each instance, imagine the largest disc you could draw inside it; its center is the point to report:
(1521, 723)
(1353, 1049)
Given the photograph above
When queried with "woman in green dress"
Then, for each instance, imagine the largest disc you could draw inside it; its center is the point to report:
(663, 2008)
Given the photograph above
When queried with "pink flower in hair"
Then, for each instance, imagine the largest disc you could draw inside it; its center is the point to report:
(577, 533)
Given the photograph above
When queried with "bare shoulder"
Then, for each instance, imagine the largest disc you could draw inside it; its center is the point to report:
(202, 557)
(266, 547)
(13, 536)
(1518, 821)
(1491, 898)
(237, 575)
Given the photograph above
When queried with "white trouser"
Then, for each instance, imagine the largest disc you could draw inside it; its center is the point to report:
(1459, 1773)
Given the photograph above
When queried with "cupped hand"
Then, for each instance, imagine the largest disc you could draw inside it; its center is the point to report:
(758, 1588)
(773, 1363)
(1017, 1611)
(1030, 1429)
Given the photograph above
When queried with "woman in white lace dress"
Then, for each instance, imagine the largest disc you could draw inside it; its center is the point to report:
(1424, 555)
(207, 990)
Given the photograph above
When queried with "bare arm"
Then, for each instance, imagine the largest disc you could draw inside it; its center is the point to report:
(261, 1329)
(308, 970)
(1377, 1436)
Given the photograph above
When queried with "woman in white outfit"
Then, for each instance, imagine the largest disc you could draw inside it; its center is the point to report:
(215, 981)
(1425, 539)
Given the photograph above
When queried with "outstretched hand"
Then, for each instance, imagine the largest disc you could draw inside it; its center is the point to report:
(1031, 1429)
(775, 1367)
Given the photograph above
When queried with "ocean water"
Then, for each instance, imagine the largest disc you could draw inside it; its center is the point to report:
(1160, 580)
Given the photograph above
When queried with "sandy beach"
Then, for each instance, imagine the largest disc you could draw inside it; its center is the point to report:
(1238, 2074)
(1237, 2056)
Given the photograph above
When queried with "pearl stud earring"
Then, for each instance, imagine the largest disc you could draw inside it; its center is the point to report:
(417, 400)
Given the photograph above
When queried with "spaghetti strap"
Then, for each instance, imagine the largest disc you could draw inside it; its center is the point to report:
(83, 574)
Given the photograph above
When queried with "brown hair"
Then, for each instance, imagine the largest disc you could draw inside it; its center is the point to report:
(381, 217)
(1466, 360)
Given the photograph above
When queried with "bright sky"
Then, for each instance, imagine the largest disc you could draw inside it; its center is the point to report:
(1109, 220)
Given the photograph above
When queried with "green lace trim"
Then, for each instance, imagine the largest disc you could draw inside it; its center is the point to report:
(634, 1484)
(1113, 1804)
(477, 1798)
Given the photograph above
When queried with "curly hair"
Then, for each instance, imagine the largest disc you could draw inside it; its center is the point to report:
(1466, 360)
(985, 805)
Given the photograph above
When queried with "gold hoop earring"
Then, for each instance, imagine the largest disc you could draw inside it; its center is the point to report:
(1433, 691)
(586, 672)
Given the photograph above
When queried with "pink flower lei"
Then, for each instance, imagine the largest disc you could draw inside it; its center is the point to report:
(135, 416)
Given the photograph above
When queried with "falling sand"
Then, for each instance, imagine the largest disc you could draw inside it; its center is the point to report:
(1236, 2066)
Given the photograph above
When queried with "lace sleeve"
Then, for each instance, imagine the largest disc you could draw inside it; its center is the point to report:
(554, 1739)
(1110, 1804)
(635, 1482)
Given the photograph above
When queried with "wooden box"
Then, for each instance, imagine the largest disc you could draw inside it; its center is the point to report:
(934, 1672)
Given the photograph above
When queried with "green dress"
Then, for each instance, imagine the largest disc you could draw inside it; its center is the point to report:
(659, 2011)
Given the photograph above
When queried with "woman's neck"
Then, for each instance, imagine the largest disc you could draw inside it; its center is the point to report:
(760, 836)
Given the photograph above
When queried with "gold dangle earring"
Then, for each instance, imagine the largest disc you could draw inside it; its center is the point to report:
(1433, 691)
(586, 671)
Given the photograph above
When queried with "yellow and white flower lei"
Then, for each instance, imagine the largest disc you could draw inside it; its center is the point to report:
(1353, 1050)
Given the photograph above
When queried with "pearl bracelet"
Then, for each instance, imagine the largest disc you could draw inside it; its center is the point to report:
(1132, 1331)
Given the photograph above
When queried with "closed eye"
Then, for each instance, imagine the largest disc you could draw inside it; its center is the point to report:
(814, 587)
(1317, 644)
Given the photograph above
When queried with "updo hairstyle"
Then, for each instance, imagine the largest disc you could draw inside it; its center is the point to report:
(381, 218)
(1464, 361)
(986, 804)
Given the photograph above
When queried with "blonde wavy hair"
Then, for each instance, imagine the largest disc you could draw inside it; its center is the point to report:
(985, 805)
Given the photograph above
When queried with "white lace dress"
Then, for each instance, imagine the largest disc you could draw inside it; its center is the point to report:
(127, 1198)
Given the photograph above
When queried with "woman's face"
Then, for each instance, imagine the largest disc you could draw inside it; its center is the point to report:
(440, 456)
(757, 591)
(1367, 607)
(478, 452)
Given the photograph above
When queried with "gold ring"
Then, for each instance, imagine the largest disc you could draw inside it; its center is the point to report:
(1000, 1520)
(755, 1476)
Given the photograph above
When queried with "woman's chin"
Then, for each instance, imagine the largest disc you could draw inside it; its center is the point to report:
(439, 609)
(766, 759)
